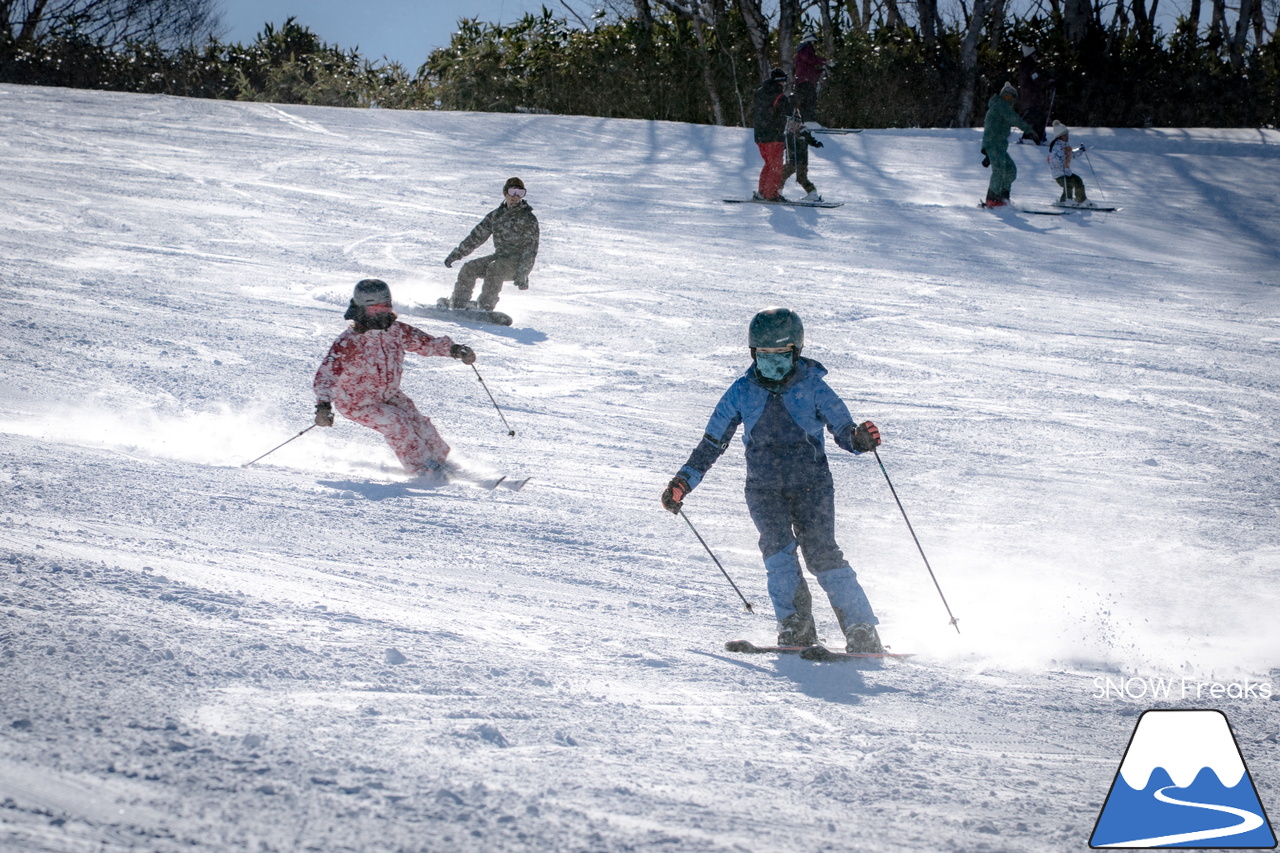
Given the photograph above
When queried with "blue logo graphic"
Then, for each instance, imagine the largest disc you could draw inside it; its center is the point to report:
(1183, 783)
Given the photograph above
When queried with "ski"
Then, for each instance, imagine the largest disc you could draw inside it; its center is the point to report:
(471, 315)
(1088, 205)
(834, 130)
(785, 202)
(1038, 211)
(818, 653)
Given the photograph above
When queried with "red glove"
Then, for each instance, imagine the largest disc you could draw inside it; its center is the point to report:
(866, 437)
(675, 492)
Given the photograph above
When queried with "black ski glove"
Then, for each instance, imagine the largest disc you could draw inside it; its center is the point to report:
(324, 413)
(463, 353)
(866, 437)
(675, 493)
(523, 282)
(453, 256)
(986, 161)
(815, 143)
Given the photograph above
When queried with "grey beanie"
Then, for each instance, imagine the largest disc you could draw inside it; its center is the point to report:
(371, 291)
(1009, 89)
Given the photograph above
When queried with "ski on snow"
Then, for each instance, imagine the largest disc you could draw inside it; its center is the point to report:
(1088, 205)
(1039, 211)
(458, 477)
(834, 130)
(820, 653)
(784, 202)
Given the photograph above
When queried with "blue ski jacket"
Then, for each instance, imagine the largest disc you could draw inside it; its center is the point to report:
(783, 427)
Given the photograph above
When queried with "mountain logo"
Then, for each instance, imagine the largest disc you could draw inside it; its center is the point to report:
(1183, 783)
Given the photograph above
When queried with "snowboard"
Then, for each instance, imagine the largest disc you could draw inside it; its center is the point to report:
(1038, 211)
(471, 315)
(821, 653)
(787, 203)
(1088, 205)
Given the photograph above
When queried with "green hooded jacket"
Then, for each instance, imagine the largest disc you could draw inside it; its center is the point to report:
(995, 127)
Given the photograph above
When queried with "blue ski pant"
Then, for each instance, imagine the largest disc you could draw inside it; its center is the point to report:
(801, 517)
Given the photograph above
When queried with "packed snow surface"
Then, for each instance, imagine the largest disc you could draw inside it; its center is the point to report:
(314, 653)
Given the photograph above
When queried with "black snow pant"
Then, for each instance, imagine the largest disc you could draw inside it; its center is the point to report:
(1072, 186)
(797, 161)
(494, 269)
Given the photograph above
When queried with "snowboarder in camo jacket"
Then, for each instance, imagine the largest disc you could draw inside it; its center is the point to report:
(784, 404)
(360, 376)
(514, 229)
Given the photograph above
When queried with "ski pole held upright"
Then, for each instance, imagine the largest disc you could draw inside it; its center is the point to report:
(955, 621)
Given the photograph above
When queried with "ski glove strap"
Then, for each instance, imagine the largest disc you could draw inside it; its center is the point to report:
(324, 413)
(675, 493)
(866, 437)
(463, 353)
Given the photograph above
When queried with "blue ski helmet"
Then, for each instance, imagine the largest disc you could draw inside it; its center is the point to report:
(776, 327)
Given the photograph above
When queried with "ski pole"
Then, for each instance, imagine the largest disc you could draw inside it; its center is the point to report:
(1096, 182)
(510, 431)
(955, 622)
(280, 445)
(717, 562)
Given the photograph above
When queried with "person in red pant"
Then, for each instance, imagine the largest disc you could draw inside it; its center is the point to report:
(361, 375)
(771, 107)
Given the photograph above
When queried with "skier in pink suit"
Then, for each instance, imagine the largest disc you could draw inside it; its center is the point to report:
(361, 375)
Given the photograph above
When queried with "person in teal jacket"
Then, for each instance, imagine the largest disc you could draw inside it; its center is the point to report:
(995, 143)
(785, 407)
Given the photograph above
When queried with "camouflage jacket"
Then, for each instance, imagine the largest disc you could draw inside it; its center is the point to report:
(515, 235)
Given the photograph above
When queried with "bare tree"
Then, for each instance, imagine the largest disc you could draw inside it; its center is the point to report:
(1076, 15)
(1241, 37)
(644, 14)
(1218, 24)
(969, 62)
(702, 13)
(758, 31)
(930, 23)
(112, 22)
(788, 18)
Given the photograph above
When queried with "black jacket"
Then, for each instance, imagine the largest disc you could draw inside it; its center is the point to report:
(771, 107)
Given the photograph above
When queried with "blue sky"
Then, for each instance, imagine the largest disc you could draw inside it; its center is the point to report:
(401, 30)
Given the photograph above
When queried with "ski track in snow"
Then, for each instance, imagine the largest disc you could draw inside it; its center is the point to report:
(1079, 414)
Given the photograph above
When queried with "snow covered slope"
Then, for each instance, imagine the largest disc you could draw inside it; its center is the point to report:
(1079, 412)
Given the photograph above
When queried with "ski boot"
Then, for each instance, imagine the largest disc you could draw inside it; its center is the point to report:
(863, 640)
(797, 630)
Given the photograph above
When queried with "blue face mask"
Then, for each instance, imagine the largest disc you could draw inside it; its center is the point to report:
(775, 366)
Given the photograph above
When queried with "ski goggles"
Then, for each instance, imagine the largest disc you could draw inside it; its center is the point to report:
(515, 192)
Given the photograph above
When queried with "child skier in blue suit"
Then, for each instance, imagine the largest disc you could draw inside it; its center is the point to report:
(784, 405)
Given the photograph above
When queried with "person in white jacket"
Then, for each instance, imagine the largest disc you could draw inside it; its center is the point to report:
(1060, 152)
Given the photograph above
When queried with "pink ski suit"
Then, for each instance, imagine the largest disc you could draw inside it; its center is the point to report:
(361, 378)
